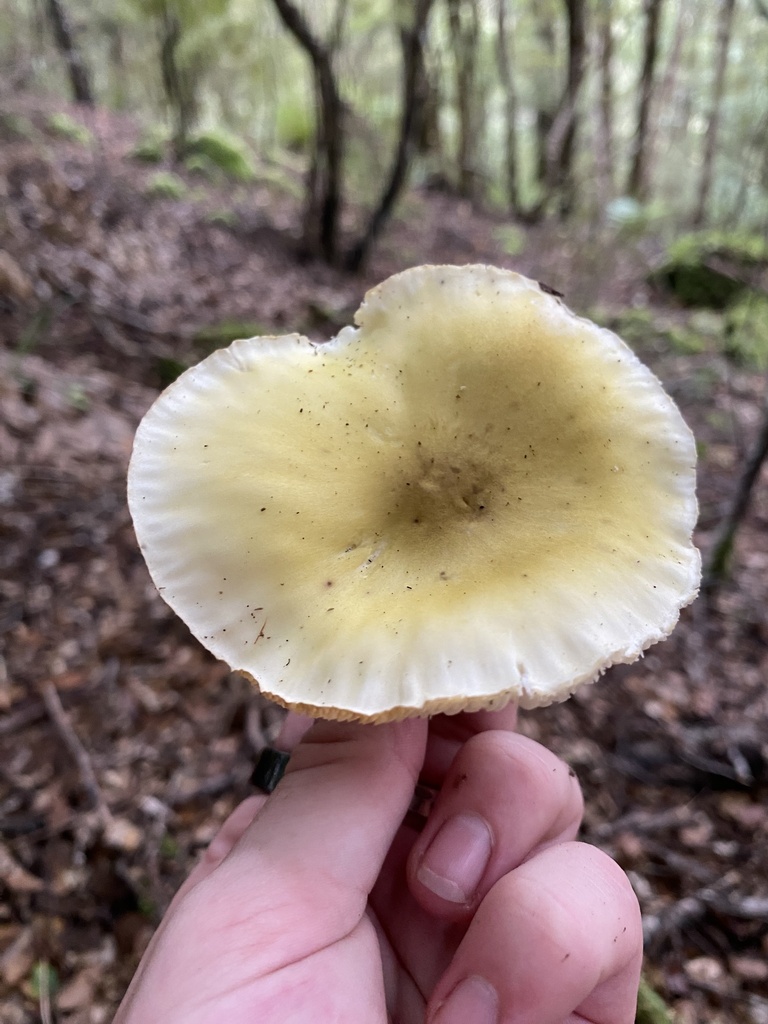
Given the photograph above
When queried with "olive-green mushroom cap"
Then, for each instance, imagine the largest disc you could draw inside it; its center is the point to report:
(472, 496)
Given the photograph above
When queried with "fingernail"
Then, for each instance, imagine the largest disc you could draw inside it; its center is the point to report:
(473, 1001)
(457, 857)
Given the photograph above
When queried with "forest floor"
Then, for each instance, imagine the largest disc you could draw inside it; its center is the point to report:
(123, 744)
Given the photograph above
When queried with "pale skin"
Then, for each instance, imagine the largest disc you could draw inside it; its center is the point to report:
(327, 903)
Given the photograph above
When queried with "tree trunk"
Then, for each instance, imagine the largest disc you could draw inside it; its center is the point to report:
(79, 75)
(178, 83)
(637, 183)
(722, 549)
(324, 187)
(665, 101)
(415, 96)
(464, 21)
(606, 138)
(505, 59)
(561, 141)
(724, 25)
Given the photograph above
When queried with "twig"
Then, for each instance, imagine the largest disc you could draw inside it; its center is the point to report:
(21, 718)
(66, 731)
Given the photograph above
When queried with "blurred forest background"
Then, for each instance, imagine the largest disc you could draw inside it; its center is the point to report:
(178, 173)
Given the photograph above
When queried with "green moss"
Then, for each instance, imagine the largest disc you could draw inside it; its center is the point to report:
(684, 341)
(151, 147)
(166, 185)
(746, 332)
(223, 151)
(739, 245)
(65, 127)
(222, 218)
(199, 164)
(214, 336)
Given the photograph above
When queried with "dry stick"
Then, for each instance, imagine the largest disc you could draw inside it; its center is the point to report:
(721, 551)
(65, 729)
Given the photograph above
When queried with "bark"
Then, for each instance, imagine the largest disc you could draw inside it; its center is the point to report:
(561, 141)
(414, 102)
(324, 187)
(79, 75)
(722, 549)
(637, 183)
(505, 60)
(724, 26)
(606, 137)
(464, 22)
(178, 82)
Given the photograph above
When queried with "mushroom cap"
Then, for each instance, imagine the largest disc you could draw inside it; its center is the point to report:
(470, 497)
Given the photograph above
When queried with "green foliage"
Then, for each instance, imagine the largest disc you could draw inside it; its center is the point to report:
(741, 246)
(167, 369)
(511, 238)
(169, 846)
(166, 185)
(223, 151)
(294, 126)
(746, 332)
(651, 1008)
(641, 328)
(44, 979)
(65, 127)
(77, 397)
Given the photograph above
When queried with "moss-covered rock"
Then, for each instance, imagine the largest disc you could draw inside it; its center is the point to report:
(223, 151)
(712, 269)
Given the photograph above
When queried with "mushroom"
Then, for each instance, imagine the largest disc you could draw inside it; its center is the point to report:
(471, 496)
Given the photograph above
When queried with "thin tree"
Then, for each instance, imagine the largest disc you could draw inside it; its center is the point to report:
(66, 43)
(324, 188)
(664, 99)
(505, 62)
(606, 140)
(464, 24)
(415, 90)
(722, 46)
(637, 181)
(179, 83)
(561, 141)
(722, 549)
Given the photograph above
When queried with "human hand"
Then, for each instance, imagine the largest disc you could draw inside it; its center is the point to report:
(324, 904)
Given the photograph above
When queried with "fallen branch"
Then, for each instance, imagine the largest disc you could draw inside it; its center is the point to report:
(63, 726)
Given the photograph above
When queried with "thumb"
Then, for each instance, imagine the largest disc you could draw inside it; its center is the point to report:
(333, 817)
